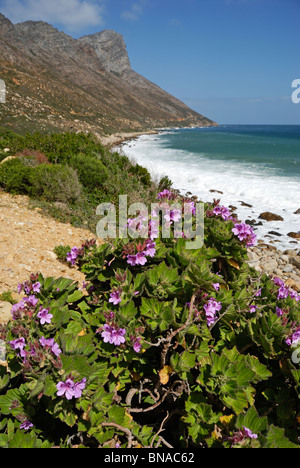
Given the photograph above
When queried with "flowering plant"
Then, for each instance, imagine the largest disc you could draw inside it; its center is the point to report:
(163, 346)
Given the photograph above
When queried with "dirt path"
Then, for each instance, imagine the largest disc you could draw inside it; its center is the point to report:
(27, 240)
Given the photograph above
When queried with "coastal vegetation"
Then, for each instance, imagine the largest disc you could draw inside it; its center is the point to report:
(68, 175)
(162, 346)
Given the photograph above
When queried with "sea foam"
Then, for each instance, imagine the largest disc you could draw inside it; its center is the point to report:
(239, 183)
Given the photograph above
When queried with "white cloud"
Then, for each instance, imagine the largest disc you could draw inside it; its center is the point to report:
(135, 11)
(72, 15)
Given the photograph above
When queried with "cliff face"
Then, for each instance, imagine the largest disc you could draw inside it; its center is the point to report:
(56, 82)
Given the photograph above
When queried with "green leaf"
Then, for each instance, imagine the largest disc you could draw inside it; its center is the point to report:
(276, 439)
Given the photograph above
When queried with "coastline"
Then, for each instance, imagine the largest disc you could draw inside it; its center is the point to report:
(117, 139)
(264, 257)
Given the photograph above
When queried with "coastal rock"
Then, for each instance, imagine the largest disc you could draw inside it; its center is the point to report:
(267, 216)
(245, 204)
(294, 235)
(295, 261)
(275, 233)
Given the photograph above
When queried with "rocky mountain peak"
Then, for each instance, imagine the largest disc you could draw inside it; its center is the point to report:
(111, 50)
(5, 24)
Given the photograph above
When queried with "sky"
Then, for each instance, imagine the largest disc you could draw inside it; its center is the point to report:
(233, 61)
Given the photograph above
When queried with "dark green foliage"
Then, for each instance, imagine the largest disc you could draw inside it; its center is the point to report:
(15, 177)
(91, 172)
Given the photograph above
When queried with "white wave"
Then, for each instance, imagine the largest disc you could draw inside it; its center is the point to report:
(243, 182)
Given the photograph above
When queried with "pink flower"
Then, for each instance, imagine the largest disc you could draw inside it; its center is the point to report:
(26, 425)
(138, 259)
(72, 256)
(79, 387)
(211, 309)
(19, 344)
(115, 297)
(51, 344)
(113, 335)
(173, 215)
(137, 344)
(222, 211)
(150, 249)
(244, 232)
(44, 316)
(71, 389)
(66, 388)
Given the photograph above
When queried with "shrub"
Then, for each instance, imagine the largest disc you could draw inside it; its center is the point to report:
(165, 346)
(55, 183)
(91, 172)
(142, 173)
(15, 177)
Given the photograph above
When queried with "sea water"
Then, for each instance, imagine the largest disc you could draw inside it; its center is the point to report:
(257, 165)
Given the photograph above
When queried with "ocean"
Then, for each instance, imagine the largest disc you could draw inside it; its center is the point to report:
(257, 165)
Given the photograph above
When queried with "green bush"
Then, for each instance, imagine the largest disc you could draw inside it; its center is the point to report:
(55, 183)
(15, 177)
(165, 346)
(91, 172)
(142, 173)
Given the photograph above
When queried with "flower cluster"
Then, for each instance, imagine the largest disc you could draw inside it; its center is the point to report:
(35, 351)
(72, 256)
(29, 287)
(113, 334)
(71, 389)
(294, 338)
(50, 344)
(25, 307)
(222, 211)
(166, 194)
(284, 291)
(137, 254)
(245, 233)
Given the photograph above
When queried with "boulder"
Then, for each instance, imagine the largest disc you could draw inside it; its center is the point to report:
(294, 235)
(267, 216)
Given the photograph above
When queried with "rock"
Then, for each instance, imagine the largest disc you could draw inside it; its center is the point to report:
(275, 233)
(295, 262)
(9, 158)
(293, 284)
(216, 191)
(297, 211)
(267, 216)
(245, 204)
(270, 265)
(5, 311)
(294, 235)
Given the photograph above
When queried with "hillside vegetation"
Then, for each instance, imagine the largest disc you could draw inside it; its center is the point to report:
(68, 175)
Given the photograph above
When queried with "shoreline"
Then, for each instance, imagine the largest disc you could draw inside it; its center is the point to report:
(117, 139)
(264, 257)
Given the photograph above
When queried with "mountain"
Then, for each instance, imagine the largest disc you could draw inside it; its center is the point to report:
(55, 82)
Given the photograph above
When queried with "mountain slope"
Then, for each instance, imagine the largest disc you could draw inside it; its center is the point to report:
(55, 82)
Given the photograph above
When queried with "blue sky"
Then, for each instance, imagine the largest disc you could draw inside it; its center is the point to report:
(231, 60)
